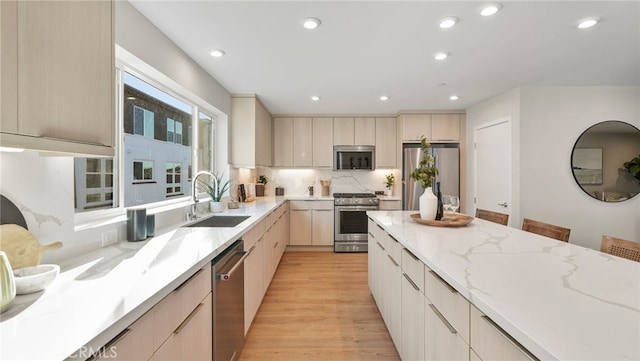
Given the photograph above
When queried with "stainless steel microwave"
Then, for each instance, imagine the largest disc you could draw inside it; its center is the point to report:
(354, 157)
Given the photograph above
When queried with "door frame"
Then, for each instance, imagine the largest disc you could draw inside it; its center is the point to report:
(509, 122)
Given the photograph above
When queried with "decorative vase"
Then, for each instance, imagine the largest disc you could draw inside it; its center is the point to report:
(428, 204)
(8, 284)
(216, 207)
(389, 192)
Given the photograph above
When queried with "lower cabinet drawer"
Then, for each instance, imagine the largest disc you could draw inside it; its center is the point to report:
(490, 342)
(413, 267)
(442, 341)
(448, 301)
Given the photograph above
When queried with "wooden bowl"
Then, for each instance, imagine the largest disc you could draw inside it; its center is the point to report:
(449, 220)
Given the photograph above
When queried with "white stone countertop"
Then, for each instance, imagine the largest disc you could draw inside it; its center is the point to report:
(96, 296)
(560, 301)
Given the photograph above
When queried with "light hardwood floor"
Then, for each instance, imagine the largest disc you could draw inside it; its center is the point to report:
(319, 307)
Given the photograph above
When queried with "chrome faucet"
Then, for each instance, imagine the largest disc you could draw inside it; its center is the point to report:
(194, 194)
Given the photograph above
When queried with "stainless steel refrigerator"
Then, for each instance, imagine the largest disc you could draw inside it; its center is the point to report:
(447, 157)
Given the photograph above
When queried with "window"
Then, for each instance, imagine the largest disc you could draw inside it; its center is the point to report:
(174, 179)
(156, 147)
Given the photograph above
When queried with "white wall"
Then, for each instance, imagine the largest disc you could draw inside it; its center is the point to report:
(552, 118)
(547, 121)
(506, 105)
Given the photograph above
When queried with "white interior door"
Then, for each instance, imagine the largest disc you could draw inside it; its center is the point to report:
(492, 176)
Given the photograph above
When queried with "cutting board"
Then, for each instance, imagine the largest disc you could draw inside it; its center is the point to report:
(21, 246)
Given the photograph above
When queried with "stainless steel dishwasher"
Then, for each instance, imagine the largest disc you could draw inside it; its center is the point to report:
(228, 302)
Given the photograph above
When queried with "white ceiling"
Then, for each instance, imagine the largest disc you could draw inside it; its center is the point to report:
(366, 49)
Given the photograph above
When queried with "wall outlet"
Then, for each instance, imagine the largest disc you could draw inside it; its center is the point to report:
(109, 237)
(379, 193)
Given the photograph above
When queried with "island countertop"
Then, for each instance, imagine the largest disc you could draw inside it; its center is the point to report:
(560, 301)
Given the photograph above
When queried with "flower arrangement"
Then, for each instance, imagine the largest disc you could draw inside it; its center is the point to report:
(633, 166)
(390, 180)
(215, 192)
(426, 170)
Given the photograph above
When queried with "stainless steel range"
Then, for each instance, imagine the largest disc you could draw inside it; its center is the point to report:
(351, 220)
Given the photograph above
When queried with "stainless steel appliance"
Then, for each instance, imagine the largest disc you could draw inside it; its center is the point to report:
(354, 157)
(447, 157)
(351, 220)
(228, 302)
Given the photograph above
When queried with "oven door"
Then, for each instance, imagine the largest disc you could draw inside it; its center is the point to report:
(351, 228)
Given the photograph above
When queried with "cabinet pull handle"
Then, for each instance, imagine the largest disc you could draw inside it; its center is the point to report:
(393, 260)
(379, 226)
(102, 350)
(379, 245)
(411, 282)
(276, 245)
(371, 234)
(251, 249)
(186, 320)
(187, 281)
(509, 338)
(444, 283)
(444, 320)
(411, 254)
(390, 236)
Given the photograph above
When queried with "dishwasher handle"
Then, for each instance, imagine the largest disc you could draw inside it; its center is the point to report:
(227, 276)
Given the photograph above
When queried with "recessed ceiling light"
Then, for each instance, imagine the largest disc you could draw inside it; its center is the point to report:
(490, 9)
(587, 23)
(310, 23)
(315, 98)
(446, 23)
(441, 56)
(454, 97)
(216, 53)
(384, 98)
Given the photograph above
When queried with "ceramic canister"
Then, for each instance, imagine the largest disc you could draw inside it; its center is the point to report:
(7, 283)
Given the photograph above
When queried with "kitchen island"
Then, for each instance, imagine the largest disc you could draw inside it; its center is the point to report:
(557, 300)
(98, 295)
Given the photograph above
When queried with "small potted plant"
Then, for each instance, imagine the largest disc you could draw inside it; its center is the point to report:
(390, 179)
(633, 166)
(424, 174)
(262, 182)
(215, 190)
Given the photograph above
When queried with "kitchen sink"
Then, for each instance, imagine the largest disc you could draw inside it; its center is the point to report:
(219, 221)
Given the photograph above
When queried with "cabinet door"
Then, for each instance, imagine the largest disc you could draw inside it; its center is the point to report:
(491, 342)
(66, 77)
(283, 142)
(322, 227)
(302, 142)
(414, 126)
(253, 287)
(442, 342)
(8, 66)
(393, 288)
(343, 131)
(192, 339)
(365, 131)
(322, 142)
(445, 127)
(412, 320)
(386, 152)
(390, 205)
(300, 222)
(134, 343)
(263, 136)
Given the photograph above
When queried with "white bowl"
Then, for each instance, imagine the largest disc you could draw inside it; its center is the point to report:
(36, 278)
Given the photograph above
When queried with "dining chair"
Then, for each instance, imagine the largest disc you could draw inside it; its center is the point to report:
(546, 229)
(495, 217)
(621, 248)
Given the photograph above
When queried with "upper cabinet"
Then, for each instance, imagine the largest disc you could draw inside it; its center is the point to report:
(250, 132)
(283, 142)
(292, 142)
(435, 127)
(58, 82)
(385, 141)
(322, 143)
(354, 131)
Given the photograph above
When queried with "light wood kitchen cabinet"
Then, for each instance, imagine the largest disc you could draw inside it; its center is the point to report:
(250, 132)
(283, 142)
(413, 327)
(132, 344)
(254, 288)
(322, 142)
(442, 342)
(192, 339)
(490, 342)
(365, 131)
(57, 75)
(386, 146)
(415, 126)
(390, 205)
(445, 127)
(311, 223)
(392, 280)
(302, 142)
(343, 131)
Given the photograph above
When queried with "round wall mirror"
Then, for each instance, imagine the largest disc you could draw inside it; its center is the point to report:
(606, 161)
